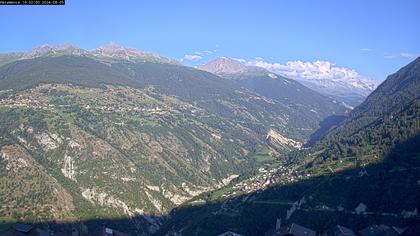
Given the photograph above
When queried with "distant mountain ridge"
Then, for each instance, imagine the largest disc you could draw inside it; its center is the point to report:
(110, 51)
(353, 91)
(359, 85)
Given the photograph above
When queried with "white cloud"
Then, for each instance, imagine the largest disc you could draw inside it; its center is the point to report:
(198, 55)
(406, 55)
(192, 57)
(300, 69)
(207, 52)
(320, 72)
(310, 70)
(240, 60)
(204, 53)
(365, 49)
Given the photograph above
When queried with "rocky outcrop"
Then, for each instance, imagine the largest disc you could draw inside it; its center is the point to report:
(104, 199)
(275, 137)
(48, 141)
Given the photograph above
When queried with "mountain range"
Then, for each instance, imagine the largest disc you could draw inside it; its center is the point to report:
(350, 90)
(116, 133)
(111, 51)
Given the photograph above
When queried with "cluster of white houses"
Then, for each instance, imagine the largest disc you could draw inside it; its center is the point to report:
(265, 179)
(21, 101)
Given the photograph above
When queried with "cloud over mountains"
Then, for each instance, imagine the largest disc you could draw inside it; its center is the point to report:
(192, 57)
(309, 70)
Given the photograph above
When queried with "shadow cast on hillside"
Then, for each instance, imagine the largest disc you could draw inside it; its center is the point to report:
(386, 189)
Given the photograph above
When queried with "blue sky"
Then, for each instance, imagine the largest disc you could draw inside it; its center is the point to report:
(373, 37)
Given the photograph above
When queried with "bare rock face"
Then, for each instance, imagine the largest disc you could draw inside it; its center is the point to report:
(105, 199)
(48, 141)
(111, 51)
(69, 170)
(229, 179)
(177, 199)
(276, 138)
